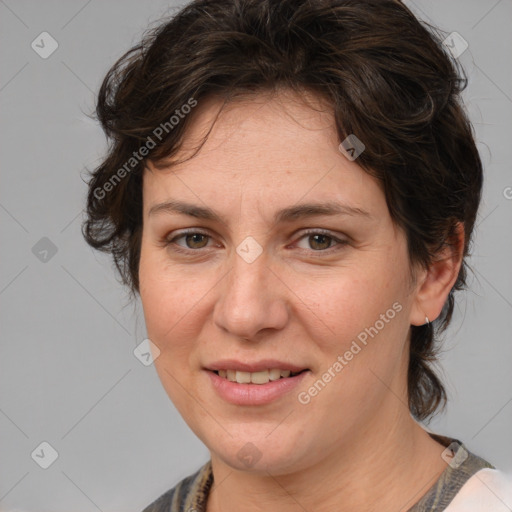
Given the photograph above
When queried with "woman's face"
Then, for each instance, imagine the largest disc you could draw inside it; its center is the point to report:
(264, 283)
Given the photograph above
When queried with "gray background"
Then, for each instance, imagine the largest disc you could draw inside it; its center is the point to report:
(68, 375)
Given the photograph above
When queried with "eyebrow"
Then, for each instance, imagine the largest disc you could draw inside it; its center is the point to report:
(289, 214)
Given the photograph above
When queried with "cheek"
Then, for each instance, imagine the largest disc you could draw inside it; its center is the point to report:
(362, 339)
(342, 306)
(367, 319)
(169, 302)
(170, 305)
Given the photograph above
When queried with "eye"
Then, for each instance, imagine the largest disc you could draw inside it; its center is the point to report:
(194, 240)
(321, 241)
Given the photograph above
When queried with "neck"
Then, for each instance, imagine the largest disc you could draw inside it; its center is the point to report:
(381, 469)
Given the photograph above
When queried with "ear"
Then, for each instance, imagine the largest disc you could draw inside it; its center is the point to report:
(435, 283)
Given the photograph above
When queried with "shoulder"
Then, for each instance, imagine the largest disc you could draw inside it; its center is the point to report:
(488, 489)
(188, 494)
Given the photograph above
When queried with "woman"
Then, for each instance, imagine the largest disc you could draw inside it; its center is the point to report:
(291, 189)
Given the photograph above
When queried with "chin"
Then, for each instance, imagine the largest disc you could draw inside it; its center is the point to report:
(259, 453)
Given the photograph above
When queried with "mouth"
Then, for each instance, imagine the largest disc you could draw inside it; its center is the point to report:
(256, 388)
(260, 377)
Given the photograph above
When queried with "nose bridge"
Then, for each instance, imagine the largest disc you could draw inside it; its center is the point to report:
(250, 298)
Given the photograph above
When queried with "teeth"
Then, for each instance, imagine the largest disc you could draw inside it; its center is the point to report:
(275, 374)
(243, 377)
(262, 377)
(259, 377)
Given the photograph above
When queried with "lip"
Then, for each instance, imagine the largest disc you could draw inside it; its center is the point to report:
(258, 366)
(254, 394)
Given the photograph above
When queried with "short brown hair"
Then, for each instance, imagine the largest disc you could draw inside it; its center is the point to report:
(389, 81)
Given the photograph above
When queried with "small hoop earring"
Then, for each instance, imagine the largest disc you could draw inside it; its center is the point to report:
(427, 320)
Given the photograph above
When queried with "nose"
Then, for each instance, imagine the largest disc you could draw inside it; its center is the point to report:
(252, 298)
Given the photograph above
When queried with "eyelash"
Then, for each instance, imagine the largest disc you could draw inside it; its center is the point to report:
(177, 248)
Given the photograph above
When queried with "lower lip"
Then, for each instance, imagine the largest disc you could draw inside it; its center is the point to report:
(253, 394)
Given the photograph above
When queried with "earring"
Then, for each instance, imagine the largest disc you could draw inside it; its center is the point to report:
(427, 321)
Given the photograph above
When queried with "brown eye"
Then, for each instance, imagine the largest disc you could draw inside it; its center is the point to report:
(319, 242)
(196, 240)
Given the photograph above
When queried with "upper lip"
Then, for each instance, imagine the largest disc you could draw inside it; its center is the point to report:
(256, 366)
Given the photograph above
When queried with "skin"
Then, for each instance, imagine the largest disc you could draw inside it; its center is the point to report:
(354, 446)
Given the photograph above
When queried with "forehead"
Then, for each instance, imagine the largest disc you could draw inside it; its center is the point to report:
(275, 148)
